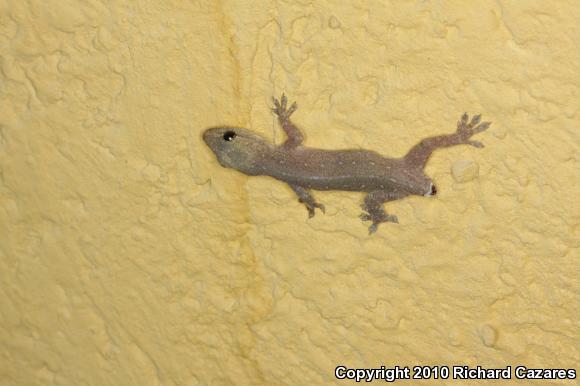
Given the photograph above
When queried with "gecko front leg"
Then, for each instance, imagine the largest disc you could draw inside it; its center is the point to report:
(306, 198)
(295, 137)
(373, 205)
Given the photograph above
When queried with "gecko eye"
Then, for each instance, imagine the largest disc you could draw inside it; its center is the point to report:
(229, 135)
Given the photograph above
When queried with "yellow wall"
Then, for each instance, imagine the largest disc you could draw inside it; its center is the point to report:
(128, 256)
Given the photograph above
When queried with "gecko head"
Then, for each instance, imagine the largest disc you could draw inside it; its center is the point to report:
(236, 148)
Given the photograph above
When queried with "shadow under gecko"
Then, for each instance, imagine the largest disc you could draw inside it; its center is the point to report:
(304, 168)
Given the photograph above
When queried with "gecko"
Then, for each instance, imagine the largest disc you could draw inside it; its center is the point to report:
(304, 168)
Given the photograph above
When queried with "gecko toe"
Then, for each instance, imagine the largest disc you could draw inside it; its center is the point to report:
(476, 144)
(482, 127)
(311, 209)
(475, 120)
(321, 207)
(365, 217)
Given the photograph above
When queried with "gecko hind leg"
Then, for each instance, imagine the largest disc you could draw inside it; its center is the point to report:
(373, 205)
(306, 198)
(418, 156)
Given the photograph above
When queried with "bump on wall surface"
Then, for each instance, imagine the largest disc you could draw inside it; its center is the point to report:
(129, 256)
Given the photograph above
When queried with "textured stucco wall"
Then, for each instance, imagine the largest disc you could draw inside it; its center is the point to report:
(128, 256)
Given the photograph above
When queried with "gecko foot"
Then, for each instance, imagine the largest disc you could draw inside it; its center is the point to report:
(466, 129)
(378, 218)
(307, 199)
(280, 108)
(311, 205)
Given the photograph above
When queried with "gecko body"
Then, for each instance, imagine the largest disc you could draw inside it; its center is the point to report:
(304, 168)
